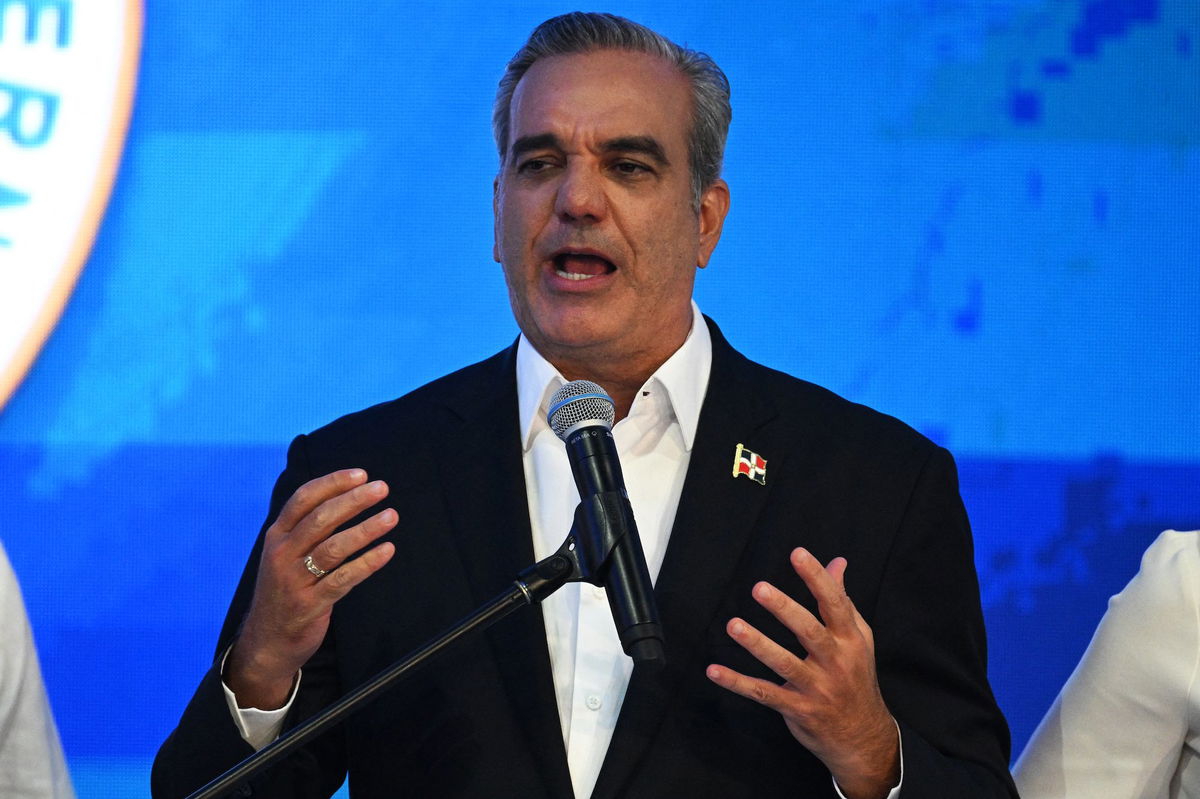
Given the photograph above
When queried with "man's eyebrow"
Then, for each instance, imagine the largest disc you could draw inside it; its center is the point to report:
(646, 145)
(541, 141)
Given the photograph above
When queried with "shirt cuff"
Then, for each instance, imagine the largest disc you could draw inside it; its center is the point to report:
(895, 792)
(257, 727)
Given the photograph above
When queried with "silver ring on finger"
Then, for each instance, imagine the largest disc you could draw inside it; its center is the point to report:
(313, 568)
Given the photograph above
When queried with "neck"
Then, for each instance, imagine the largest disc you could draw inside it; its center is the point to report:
(621, 387)
(620, 375)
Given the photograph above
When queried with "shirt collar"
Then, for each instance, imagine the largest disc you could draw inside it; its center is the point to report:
(684, 376)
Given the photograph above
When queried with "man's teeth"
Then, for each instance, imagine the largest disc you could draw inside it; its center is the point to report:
(573, 275)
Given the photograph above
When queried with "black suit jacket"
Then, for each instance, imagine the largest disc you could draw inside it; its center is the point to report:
(481, 721)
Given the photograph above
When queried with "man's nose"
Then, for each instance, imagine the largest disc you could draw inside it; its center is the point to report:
(581, 197)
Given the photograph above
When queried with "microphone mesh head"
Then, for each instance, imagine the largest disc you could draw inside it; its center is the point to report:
(579, 401)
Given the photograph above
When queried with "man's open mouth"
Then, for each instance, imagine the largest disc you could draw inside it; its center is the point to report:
(581, 266)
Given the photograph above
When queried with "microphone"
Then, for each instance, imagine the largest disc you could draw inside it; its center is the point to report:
(582, 414)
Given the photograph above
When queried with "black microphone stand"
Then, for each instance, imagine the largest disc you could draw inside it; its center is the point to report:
(569, 564)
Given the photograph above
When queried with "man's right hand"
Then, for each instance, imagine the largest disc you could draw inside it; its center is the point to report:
(289, 613)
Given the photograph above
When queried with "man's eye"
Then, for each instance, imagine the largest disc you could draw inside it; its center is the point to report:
(533, 166)
(630, 168)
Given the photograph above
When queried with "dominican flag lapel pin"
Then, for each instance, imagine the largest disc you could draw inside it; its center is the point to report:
(750, 464)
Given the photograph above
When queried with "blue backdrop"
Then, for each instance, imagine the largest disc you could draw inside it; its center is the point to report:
(980, 218)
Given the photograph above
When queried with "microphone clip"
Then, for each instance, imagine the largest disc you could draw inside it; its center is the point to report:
(585, 554)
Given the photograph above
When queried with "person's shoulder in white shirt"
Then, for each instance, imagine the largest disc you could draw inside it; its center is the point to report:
(1127, 722)
(31, 758)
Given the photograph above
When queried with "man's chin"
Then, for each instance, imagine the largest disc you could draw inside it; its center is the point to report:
(577, 340)
(573, 337)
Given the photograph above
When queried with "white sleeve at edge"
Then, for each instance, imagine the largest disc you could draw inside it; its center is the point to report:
(258, 727)
(1118, 727)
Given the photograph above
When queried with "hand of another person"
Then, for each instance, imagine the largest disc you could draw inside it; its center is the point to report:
(830, 699)
(289, 613)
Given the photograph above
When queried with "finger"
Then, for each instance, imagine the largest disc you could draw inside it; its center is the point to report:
(783, 662)
(837, 570)
(807, 628)
(835, 607)
(762, 691)
(322, 520)
(316, 491)
(331, 552)
(341, 580)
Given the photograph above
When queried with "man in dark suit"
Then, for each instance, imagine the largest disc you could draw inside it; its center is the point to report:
(782, 672)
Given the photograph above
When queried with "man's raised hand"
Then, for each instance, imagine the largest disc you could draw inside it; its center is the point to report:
(289, 613)
(830, 700)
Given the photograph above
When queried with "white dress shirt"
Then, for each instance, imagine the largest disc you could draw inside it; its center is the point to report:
(1127, 723)
(654, 443)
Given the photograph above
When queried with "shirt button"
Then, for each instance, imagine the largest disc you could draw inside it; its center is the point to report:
(594, 702)
(597, 592)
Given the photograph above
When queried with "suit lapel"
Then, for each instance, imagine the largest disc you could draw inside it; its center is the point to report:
(713, 525)
(495, 543)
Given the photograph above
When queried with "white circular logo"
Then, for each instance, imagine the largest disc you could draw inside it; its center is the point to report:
(67, 75)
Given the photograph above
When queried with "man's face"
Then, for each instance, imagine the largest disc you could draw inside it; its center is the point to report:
(594, 220)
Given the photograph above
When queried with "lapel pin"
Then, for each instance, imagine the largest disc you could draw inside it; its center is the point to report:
(750, 464)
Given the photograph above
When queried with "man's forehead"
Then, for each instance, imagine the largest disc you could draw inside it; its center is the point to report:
(604, 89)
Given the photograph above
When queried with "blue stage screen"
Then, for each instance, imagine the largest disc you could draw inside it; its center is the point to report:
(980, 218)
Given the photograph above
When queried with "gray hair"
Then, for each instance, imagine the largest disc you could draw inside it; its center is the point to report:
(580, 32)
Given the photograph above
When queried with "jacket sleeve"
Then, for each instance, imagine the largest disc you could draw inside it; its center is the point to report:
(931, 649)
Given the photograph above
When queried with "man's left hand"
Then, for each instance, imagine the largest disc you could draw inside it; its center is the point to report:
(830, 699)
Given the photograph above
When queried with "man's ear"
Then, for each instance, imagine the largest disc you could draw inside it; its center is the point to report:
(714, 204)
(496, 219)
